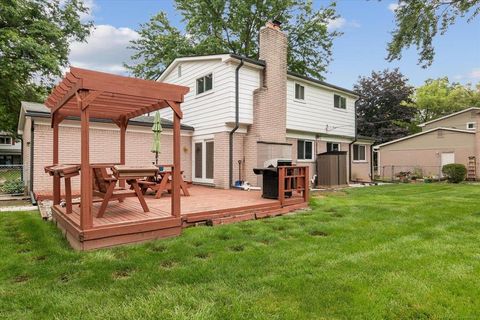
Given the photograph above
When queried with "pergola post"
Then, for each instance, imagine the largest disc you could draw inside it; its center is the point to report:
(86, 219)
(176, 167)
(56, 178)
(123, 130)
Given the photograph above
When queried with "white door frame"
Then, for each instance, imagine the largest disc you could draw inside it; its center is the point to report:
(203, 140)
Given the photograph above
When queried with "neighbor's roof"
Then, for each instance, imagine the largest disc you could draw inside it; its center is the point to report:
(449, 115)
(422, 133)
(34, 109)
(249, 61)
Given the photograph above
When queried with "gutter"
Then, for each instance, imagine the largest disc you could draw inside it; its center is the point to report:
(237, 120)
(350, 150)
(32, 145)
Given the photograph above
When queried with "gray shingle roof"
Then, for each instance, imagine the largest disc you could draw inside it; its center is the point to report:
(40, 110)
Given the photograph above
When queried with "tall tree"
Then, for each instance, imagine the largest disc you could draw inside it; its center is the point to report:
(439, 97)
(220, 26)
(419, 21)
(34, 46)
(381, 110)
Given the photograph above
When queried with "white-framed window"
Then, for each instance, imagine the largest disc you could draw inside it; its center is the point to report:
(179, 71)
(339, 102)
(5, 140)
(305, 150)
(333, 146)
(470, 125)
(359, 152)
(299, 91)
(205, 83)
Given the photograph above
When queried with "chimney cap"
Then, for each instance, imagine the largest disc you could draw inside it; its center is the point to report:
(276, 23)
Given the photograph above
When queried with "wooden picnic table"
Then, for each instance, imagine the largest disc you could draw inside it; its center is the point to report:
(162, 182)
(66, 171)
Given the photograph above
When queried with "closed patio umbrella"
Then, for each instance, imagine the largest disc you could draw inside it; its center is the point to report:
(157, 129)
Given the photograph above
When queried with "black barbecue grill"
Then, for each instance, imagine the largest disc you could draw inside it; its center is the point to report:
(270, 177)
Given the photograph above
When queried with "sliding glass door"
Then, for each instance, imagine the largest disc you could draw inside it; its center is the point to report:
(203, 161)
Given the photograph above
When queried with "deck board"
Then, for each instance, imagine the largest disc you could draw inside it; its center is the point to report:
(126, 222)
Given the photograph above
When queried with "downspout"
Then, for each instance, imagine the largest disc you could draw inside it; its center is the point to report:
(237, 120)
(32, 139)
(350, 150)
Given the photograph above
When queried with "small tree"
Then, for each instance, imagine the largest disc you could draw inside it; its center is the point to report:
(382, 112)
(454, 172)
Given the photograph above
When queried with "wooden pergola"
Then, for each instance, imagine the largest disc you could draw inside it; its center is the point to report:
(91, 94)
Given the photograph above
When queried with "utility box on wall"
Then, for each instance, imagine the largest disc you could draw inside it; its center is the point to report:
(332, 169)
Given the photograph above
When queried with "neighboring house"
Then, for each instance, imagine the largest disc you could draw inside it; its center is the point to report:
(449, 139)
(246, 111)
(10, 150)
(240, 112)
(35, 127)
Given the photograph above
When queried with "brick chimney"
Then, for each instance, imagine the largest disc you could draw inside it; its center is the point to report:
(270, 101)
(266, 137)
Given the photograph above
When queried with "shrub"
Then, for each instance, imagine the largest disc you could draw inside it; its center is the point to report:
(13, 186)
(454, 172)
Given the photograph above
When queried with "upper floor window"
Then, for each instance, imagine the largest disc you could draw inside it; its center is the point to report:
(333, 146)
(179, 71)
(205, 83)
(359, 152)
(304, 150)
(471, 125)
(5, 140)
(299, 92)
(339, 102)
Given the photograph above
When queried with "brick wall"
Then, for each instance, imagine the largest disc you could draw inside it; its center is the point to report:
(270, 100)
(222, 157)
(104, 147)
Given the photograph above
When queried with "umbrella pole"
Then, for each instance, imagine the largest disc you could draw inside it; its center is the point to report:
(156, 158)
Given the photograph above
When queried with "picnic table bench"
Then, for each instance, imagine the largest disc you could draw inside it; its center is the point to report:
(162, 182)
(66, 171)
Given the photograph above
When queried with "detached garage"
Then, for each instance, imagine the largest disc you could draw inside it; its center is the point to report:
(425, 152)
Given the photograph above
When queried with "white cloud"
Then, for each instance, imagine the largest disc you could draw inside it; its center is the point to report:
(339, 23)
(393, 6)
(105, 49)
(474, 74)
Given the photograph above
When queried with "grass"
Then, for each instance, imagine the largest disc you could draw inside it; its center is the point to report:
(388, 252)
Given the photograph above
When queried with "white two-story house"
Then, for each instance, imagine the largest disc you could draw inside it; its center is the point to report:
(246, 111)
(239, 112)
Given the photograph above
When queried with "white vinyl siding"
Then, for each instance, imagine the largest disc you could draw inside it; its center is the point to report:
(317, 114)
(209, 112)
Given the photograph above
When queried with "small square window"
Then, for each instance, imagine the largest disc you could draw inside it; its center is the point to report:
(304, 150)
(339, 102)
(333, 146)
(204, 83)
(471, 125)
(299, 92)
(359, 152)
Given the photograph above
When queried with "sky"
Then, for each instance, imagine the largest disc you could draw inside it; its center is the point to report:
(366, 27)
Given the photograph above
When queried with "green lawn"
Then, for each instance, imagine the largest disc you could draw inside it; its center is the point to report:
(395, 252)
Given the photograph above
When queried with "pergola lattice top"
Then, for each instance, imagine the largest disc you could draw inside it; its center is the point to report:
(112, 96)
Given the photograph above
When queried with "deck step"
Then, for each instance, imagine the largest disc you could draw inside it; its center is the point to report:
(258, 214)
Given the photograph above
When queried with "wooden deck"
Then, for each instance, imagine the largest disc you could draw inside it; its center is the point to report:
(126, 222)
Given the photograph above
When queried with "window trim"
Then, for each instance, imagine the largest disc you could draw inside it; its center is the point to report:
(474, 125)
(365, 153)
(207, 91)
(337, 143)
(295, 92)
(313, 150)
(339, 108)
(8, 141)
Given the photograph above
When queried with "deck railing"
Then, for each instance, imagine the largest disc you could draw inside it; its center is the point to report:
(293, 179)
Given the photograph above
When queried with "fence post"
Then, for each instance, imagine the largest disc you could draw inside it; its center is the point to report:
(393, 172)
(306, 191)
(281, 185)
